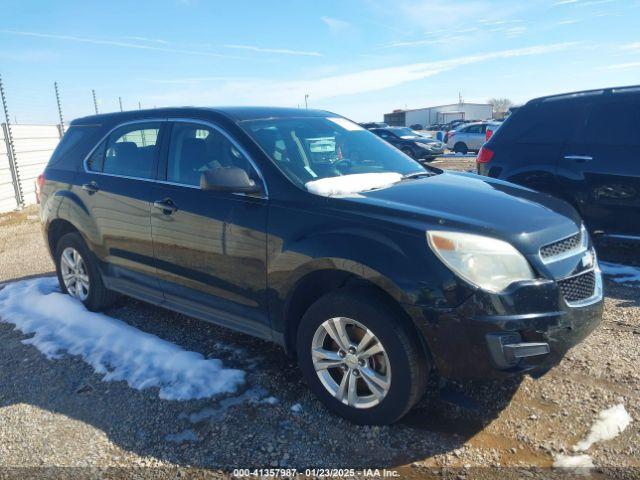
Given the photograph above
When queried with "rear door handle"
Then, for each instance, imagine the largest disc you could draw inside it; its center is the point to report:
(579, 158)
(167, 206)
(90, 188)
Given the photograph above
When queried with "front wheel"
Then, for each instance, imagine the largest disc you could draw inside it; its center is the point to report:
(78, 273)
(359, 360)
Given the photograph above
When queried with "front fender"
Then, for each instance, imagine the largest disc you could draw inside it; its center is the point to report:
(398, 263)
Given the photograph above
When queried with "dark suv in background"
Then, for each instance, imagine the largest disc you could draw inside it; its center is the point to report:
(583, 147)
(376, 272)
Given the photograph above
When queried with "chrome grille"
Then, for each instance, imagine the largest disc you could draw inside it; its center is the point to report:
(579, 287)
(561, 246)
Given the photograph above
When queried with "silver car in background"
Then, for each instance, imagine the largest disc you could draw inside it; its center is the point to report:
(470, 136)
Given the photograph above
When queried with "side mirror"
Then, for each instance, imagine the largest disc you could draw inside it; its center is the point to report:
(231, 179)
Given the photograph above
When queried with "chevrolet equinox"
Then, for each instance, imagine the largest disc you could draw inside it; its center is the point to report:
(301, 227)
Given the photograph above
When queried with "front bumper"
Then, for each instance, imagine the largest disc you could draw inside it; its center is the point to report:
(462, 340)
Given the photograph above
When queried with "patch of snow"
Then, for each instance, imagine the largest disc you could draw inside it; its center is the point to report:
(608, 425)
(184, 436)
(118, 351)
(253, 395)
(270, 400)
(625, 274)
(350, 184)
(577, 463)
(297, 408)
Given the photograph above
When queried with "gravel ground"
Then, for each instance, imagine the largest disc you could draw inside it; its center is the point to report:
(58, 413)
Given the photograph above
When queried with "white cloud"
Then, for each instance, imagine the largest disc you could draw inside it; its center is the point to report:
(114, 43)
(564, 2)
(621, 66)
(268, 91)
(335, 24)
(634, 47)
(283, 51)
(146, 39)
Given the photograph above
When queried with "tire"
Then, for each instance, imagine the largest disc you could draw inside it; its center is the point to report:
(407, 151)
(461, 147)
(406, 365)
(95, 296)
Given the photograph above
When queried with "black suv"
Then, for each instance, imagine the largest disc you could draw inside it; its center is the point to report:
(378, 273)
(582, 147)
(410, 143)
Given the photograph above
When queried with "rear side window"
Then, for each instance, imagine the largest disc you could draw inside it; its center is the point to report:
(613, 123)
(474, 129)
(549, 122)
(130, 151)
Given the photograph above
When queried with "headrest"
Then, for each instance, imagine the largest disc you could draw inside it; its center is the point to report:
(193, 149)
(125, 149)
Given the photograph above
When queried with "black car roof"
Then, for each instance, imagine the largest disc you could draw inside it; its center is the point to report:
(236, 114)
(587, 93)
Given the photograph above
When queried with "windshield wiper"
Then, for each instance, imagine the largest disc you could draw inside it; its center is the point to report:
(417, 174)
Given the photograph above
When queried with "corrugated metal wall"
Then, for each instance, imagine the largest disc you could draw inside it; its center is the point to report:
(33, 145)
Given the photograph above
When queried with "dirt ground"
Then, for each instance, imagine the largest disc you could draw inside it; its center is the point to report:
(60, 414)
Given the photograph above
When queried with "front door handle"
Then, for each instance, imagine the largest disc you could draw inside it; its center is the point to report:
(579, 158)
(90, 188)
(167, 206)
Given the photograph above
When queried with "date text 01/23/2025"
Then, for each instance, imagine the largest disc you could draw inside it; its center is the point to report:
(314, 472)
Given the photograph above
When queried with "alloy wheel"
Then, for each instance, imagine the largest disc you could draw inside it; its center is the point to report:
(351, 362)
(74, 273)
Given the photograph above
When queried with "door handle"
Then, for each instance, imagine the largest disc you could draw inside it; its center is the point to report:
(167, 206)
(579, 158)
(90, 188)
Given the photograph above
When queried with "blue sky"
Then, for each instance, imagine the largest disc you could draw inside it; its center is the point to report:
(359, 58)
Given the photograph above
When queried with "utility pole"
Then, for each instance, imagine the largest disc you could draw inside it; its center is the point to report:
(95, 101)
(306, 100)
(55, 86)
(120, 102)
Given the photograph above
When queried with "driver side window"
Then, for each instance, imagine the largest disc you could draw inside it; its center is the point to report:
(196, 148)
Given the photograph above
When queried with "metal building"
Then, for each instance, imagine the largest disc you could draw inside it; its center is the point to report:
(440, 114)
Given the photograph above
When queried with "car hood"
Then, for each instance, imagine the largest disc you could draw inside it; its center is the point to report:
(475, 204)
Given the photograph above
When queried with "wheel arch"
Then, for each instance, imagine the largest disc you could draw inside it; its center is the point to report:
(57, 228)
(314, 285)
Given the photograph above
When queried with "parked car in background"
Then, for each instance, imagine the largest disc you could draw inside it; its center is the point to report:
(582, 147)
(411, 143)
(491, 129)
(416, 126)
(468, 137)
(380, 275)
(370, 125)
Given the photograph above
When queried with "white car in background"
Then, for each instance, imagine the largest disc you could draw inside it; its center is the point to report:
(470, 136)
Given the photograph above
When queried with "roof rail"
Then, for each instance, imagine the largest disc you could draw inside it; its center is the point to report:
(584, 93)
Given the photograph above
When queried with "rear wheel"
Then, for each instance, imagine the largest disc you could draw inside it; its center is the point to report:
(359, 360)
(78, 273)
(461, 147)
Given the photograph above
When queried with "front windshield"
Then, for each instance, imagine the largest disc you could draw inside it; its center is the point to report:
(313, 148)
(405, 133)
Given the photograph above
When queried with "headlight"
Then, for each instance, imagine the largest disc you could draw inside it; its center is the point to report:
(486, 262)
(424, 145)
